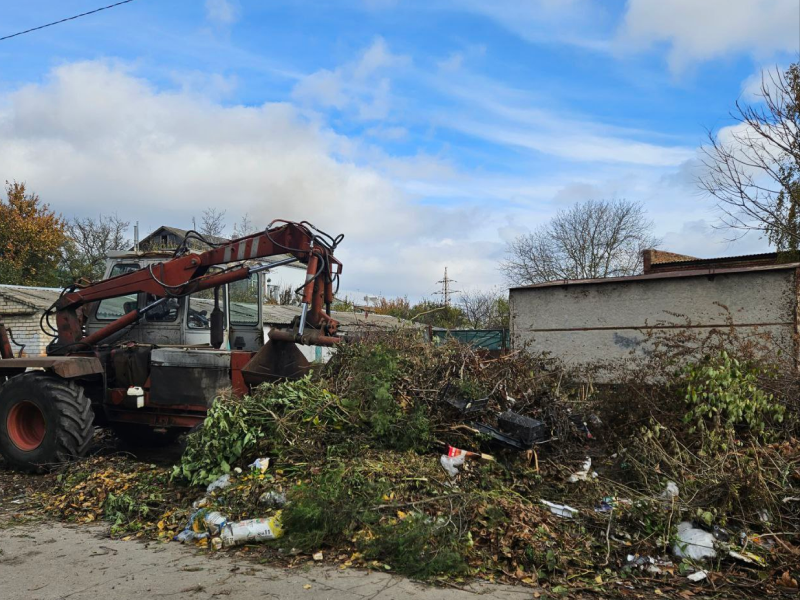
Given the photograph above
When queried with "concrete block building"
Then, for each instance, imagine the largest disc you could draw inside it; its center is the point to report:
(604, 322)
(21, 308)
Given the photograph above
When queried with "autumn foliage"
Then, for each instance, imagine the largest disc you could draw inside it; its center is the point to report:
(31, 239)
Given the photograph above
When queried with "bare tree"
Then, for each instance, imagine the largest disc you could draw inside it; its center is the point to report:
(483, 309)
(596, 238)
(89, 242)
(213, 222)
(244, 227)
(753, 170)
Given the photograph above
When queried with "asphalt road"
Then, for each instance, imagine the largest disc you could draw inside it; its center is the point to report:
(50, 561)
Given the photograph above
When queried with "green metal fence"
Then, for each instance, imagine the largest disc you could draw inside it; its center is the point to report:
(489, 339)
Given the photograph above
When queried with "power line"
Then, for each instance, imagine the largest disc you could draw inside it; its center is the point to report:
(91, 12)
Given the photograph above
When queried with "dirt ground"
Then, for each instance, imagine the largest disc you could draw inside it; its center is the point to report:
(49, 560)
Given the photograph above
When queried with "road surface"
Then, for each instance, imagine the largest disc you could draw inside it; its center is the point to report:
(49, 561)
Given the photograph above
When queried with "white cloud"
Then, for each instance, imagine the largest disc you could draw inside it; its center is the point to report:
(700, 30)
(362, 85)
(703, 239)
(573, 22)
(94, 138)
(767, 76)
(222, 12)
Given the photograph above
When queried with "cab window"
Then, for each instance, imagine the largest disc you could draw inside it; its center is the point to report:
(112, 309)
(163, 313)
(198, 314)
(243, 297)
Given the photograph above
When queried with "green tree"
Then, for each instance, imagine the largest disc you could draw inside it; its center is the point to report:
(31, 239)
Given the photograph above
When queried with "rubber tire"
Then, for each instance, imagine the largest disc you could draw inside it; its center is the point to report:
(67, 414)
(143, 436)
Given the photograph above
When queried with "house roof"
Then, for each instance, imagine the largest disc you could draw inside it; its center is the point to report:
(35, 298)
(181, 233)
(661, 275)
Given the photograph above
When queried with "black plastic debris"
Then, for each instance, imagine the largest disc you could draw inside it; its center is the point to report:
(525, 429)
(463, 405)
(467, 406)
(515, 431)
(500, 437)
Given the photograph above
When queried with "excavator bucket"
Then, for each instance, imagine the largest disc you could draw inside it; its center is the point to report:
(276, 360)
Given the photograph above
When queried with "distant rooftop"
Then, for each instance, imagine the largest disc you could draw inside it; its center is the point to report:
(659, 261)
(36, 298)
(659, 264)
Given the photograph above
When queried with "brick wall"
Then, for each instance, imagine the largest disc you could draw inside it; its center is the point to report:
(24, 326)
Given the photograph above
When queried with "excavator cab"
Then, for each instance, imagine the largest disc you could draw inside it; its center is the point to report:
(226, 318)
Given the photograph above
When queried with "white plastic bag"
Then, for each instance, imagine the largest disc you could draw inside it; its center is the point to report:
(693, 543)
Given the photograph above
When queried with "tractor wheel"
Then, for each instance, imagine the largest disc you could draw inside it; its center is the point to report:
(44, 420)
(144, 436)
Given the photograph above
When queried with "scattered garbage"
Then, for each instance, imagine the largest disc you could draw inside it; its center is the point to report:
(747, 557)
(214, 522)
(262, 464)
(697, 576)
(583, 474)
(525, 429)
(721, 534)
(764, 516)
(500, 437)
(580, 423)
(693, 543)
(195, 528)
(317, 556)
(464, 405)
(606, 505)
(562, 510)
(671, 491)
(764, 542)
(455, 458)
(216, 543)
(220, 483)
(272, 499)
(251, 531)
(652, 565)
(451, 461)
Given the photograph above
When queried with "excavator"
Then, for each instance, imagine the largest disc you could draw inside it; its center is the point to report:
(146, 350)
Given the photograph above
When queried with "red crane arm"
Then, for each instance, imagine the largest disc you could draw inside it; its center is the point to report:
(188, 273)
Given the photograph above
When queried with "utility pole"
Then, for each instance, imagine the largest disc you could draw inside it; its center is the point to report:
(447, 291)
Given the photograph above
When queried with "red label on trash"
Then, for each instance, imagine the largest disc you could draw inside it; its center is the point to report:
(455, 451)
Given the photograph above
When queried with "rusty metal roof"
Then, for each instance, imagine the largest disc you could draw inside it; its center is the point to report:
(661, 275)
(36, 298)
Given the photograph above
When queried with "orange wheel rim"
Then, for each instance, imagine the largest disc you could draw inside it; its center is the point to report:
(25, 425)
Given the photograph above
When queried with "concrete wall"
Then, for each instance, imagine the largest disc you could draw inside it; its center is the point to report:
(602, 323)
(24, 326)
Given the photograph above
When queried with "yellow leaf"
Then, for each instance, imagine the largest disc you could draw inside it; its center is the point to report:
(599, 580)
(307, 586)
(401, 515)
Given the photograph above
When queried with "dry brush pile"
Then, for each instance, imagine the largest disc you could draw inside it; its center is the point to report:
(355, 449)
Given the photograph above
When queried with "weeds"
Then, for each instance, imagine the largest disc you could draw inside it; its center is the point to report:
(331, 507)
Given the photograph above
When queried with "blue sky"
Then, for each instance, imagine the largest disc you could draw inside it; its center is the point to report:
(430, 133)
